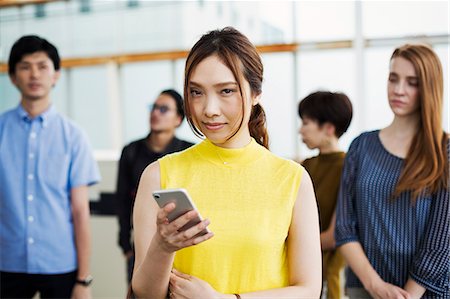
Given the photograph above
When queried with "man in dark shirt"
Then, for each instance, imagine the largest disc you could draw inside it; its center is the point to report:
(166, 115)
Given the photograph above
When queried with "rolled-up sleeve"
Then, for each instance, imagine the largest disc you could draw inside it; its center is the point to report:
(431, 264)
(83, 167)
(346, 219)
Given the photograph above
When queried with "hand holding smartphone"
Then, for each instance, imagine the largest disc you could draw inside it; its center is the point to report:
(183, 204)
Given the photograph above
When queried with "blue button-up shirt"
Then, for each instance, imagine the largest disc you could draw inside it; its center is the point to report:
(41, 160)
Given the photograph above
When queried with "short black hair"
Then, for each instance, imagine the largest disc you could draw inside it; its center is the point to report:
(178, 100)
(325, 106)
(30, 44)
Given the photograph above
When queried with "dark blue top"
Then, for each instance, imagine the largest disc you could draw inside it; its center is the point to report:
(400, 239)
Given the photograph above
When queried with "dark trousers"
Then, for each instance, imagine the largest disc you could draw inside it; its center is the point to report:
(23, 285)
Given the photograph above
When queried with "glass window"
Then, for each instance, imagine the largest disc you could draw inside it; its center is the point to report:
(85, 40)
(376, 110)
(443, 52)
(141, 84)
(325, 20)
(9, 33)
(9, 95)
(59, 94)
(333, 70)
(184, 131)
(278, 101)
(90, 105)
(399, 18)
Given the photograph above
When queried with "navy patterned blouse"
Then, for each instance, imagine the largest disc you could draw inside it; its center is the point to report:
(401, 240)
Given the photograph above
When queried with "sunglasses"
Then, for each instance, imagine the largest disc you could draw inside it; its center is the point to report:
(162, 108)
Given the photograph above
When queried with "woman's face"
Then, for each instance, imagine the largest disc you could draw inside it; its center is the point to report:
(312, 134)
(216, 104)
(403, 90)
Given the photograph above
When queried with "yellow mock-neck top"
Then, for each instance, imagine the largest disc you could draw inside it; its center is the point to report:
(248, 194)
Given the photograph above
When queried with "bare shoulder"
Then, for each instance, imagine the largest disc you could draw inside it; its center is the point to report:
(152, 171)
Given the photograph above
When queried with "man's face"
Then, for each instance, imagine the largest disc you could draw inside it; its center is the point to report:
(163, 116)
(35, 76)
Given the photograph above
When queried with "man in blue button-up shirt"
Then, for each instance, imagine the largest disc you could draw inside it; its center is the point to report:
(46, 166)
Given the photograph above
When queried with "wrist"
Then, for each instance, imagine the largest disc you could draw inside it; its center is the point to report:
(371, 283)
(84, 280)
(158, 244)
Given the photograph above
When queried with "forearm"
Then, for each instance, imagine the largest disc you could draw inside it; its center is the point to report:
(82, 231)
(151, 278)
(360, 265)
(327, 240)
(414, 289)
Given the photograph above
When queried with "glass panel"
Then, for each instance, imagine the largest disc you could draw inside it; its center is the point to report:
(279, 103)
(89, 104)
(398, 18)
(184, 131)
(333, 70)
(444, 54)
(59, 94)
(137, 94)
(376, 61)
(9, 95)
(86, 40)
(325, 20)
(9, 33)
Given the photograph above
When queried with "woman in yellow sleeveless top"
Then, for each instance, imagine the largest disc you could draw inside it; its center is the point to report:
(260, 208)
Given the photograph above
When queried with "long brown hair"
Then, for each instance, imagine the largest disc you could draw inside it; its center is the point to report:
(240, 56)
(426, 168)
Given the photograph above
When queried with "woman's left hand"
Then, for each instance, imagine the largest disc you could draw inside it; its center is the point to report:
(184, 286)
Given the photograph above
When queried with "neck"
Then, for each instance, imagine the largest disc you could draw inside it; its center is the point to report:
(330, 146)
(35, 107)
(159, 140)
(404, 127)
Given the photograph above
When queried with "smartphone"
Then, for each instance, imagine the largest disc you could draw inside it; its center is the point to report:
(183, 204)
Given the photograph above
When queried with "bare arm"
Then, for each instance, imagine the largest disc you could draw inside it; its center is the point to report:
(414, 289)
(80, 213)
(152, 266)
(327, 237)
(156, 240)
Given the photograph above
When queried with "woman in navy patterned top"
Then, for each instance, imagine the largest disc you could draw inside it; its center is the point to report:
(393, 207)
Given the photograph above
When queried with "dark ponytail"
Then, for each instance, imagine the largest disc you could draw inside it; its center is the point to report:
(257, 126)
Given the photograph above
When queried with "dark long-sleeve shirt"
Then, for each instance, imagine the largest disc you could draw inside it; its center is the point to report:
(135, 157)
(401, 240)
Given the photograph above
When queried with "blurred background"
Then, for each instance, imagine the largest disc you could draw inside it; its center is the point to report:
(118, 55)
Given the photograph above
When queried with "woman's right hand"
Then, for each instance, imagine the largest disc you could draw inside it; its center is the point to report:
(170, 239)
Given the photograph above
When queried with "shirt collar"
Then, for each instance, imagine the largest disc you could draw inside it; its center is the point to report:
(43, 118)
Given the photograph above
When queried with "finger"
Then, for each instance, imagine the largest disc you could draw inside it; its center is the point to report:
(164, 212)
(404, 294)
(192, 231)
(176, 282)
(181, 274)
(203, 238)
(181, 221)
